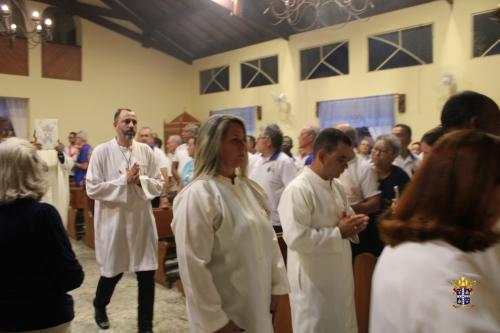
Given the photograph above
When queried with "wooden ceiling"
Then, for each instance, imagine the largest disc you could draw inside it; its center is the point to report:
(193, 29)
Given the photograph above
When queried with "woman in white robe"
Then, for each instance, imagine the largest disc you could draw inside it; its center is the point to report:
(229, 259)
(444, 219)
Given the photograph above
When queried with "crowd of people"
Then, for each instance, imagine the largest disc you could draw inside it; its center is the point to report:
(428, 211)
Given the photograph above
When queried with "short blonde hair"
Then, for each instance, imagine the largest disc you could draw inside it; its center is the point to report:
(24, 173)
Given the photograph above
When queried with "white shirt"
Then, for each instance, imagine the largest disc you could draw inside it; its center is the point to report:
(162, 161)
(359, 180)
(319, 259)
(229, 259)
(274, 174)
(252, 158)
(409, 164)
(412, 291)
(181, 155)
(125, 231)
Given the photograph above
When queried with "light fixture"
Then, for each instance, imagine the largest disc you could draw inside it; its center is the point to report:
(37, 29)
(303, 15)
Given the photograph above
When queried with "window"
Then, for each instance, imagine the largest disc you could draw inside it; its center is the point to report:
(407, 47)
(248, 115)
(372, 113)
(259, 72)
(64, 30)
(324, 61)
(214, 80)
(486, 35)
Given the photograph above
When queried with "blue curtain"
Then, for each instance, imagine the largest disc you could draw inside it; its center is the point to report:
(248, 114)
(375, 113)
(4, 112)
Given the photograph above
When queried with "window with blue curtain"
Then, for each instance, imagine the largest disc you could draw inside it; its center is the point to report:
(370, 116)
(248, 114)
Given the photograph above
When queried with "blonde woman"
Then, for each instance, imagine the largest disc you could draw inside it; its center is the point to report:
(229, 259)
(38, 264)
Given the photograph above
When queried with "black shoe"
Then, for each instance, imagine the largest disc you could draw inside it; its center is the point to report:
(145, 330)
(101, 318)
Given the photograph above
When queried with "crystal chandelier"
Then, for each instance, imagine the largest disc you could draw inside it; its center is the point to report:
(303, 15)
(37, 29)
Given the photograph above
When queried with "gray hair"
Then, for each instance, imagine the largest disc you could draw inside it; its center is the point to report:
(176, 138)
(208, 145)
(273, 132)
(392, 141)
(148, 128)
(82, 135)
(314, 131)
(24, 173)
(349, 131)
(192, 128)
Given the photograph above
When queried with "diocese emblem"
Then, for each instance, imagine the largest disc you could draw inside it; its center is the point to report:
(463, 289)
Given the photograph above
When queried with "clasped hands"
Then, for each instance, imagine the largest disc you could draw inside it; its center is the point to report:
(133, 174)
(351, 225)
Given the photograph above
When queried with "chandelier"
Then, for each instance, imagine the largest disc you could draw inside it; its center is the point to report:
(37, 29)
(303, 15)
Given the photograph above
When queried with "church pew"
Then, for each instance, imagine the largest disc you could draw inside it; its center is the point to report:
(364, 264)
(76, 201)
(283, 320)
(71, 226)
(166, 242)
(88, 217)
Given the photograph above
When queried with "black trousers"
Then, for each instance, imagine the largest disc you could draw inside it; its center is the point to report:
(146, 295)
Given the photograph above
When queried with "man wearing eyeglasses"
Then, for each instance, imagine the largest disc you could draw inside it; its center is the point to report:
(273, 170)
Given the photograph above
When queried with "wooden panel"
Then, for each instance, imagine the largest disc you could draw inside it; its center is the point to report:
(177, 124)
(163, 219)
(364, 264)
(14, 56)
(61, 61)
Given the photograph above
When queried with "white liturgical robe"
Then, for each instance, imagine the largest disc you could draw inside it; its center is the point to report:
(229, 259)
(412, 291)
(58, 182)
(319, 259)
(125, 229)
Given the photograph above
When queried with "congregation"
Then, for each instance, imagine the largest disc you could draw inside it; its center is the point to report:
(426, 211)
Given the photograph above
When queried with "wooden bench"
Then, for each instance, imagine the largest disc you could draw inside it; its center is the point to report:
(88, 218)
(166, 243)
(283, 320)
(76, 201)
(364, 264)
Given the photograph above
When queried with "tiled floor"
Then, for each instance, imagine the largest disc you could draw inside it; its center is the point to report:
(170, 310)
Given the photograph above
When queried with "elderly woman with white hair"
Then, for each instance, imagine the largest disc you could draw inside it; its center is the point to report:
(39, 266)
(229, 258)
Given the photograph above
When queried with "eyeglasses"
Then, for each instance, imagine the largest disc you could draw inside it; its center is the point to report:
(381, 151)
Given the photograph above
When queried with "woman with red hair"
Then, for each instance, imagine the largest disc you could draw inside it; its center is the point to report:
(446, 214)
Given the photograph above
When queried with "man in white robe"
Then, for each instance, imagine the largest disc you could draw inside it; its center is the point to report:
(317, 227)
(59, 167)
(122, 177)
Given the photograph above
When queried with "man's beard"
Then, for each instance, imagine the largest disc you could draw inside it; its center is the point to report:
(130, 134)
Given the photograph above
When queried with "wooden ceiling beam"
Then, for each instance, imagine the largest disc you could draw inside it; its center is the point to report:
(150, 35)
(72, 6)
(97, 15)
(251, 13)
(137, 37)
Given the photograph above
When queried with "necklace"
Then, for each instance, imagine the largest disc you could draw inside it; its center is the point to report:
(123, 150)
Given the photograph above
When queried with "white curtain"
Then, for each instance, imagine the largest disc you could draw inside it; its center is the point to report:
(374, 112)
(16, 109)
(248, 114)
